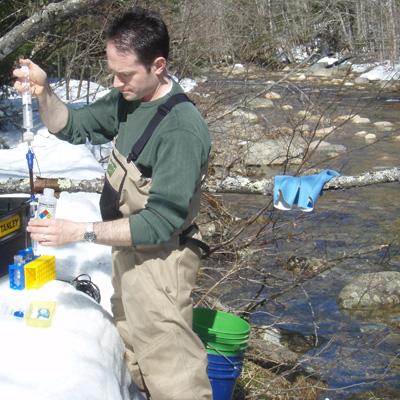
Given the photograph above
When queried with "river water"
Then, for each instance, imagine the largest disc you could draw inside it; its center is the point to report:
(357, 354)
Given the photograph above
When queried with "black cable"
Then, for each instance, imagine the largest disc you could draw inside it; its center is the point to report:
(83, 283)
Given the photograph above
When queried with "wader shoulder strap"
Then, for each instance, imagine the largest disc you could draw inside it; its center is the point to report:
(161, 113)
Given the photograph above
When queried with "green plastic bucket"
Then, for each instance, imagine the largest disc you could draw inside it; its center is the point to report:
(222, 340)
(216, 352)
(201, 330)
(221, 323)
(221, 348)
(222, 333)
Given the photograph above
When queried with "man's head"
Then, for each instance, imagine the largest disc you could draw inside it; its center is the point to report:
(140, 31)
(137, 46)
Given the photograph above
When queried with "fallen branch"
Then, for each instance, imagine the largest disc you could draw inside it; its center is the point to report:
(233, 184)
(240, 184)
(13, 185)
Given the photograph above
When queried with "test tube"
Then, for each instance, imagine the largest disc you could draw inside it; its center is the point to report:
(27, 101)
(18, 260)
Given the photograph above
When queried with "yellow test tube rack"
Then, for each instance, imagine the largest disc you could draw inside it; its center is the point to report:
(39, 271)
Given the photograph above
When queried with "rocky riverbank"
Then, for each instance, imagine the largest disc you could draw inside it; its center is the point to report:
(260, 123)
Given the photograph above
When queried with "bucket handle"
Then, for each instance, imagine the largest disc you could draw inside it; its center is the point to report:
(223, 355)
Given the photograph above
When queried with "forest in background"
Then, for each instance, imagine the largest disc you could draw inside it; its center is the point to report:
(66, 36)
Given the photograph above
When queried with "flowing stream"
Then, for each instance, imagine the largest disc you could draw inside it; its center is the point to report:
(356, 353)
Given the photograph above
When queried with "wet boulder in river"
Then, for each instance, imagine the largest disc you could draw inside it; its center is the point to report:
(372, 290)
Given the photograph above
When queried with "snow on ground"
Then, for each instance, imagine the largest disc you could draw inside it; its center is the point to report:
(80, 356)
(328, 60)
(53, 158)
(383, 72)
(376, 71)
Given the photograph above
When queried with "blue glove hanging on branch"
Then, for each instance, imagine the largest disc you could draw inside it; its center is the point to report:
(300, 191)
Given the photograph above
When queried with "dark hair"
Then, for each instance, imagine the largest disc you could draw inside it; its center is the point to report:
(141, 31)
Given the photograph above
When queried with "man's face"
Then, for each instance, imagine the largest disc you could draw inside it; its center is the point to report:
(131, 77)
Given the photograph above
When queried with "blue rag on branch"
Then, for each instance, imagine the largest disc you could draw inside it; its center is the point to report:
(300, 191)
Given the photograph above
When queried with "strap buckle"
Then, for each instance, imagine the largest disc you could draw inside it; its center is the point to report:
(184, 239)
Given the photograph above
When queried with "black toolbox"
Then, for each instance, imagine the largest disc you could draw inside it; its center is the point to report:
(14, 216)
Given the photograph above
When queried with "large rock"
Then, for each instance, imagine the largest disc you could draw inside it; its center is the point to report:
(279, 346)
(323, 70)
(320, 70)
(323, 146)
(249, 116)
(360, 120)
(272, 96)
(325, 131)
(370, 137)
(372, 290)
(384, 126)
(361, 81)
(259, 102)
(276, 151)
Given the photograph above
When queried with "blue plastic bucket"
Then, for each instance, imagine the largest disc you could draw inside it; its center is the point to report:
(223, 372)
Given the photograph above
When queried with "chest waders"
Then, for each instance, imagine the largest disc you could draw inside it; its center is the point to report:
(152, 284)
(111, 201)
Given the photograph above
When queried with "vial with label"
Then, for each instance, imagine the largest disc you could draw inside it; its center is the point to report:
(19, 262)
(47, 204)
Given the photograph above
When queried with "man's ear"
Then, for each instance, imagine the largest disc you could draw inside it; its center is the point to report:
(159, 65)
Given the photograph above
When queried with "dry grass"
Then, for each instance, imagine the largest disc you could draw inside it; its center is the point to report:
(260, 383)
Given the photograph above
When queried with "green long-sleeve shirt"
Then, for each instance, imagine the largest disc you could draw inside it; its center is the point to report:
(175, 154)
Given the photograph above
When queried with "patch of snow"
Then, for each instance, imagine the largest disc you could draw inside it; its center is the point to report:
(54, 159)
(328, 60)
(384, 72)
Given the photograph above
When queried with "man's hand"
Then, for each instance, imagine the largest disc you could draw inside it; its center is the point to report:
(53, 111)
(55, 232)
(37, 78)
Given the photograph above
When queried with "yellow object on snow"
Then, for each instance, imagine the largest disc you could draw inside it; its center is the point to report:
(40, 313)
(40, 271)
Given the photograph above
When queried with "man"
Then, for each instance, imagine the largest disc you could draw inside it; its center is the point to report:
(149, 201)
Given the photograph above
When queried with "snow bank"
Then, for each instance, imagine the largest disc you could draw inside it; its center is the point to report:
(54, 159)
(385, 72)
(80, 356)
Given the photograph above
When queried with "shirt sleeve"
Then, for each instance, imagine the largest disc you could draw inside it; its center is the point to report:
(95, 122)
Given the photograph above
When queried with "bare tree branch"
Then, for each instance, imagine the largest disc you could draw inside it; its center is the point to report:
(41, 21)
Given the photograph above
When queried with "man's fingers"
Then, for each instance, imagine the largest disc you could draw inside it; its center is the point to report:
(39, 222)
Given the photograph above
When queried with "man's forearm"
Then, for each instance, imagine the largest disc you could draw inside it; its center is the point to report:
(53, 111)
(58, 232)
(113, 233)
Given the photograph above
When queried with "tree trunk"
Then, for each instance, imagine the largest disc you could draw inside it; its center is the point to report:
(41, 21)
(234, 184)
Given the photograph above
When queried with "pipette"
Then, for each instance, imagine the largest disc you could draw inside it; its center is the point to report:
(27, 107)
